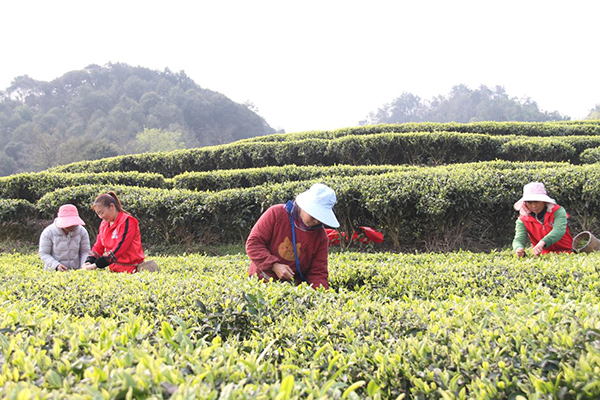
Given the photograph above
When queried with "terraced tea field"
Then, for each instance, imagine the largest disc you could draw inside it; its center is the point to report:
(426, 326)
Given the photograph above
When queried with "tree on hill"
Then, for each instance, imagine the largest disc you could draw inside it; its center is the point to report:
(153, 140)
(461, 105)
(594, 113)
(101, 110)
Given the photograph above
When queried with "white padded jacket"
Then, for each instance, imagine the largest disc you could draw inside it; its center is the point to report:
(70, 250)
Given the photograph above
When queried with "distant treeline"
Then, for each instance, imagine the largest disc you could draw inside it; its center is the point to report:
(462, 104)
(104, 111)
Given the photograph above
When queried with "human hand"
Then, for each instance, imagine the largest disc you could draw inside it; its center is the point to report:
(89, 267)
(537, 249)
(283, 272)
(61, 267)
(520, 252)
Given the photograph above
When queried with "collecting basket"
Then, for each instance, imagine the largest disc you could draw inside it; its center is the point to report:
(585, 242)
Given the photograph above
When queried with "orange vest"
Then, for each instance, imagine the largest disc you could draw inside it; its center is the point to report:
(537, 231)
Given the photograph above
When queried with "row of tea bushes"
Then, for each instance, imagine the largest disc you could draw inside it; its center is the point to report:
(166, 216)
(439, 276)
(420, 148)
(14, 210)
(32, 186)
(389, 276)
(558, 128)
(201, 329)
(591, 155)
(241, 178)
(448, 207)
(245, 178)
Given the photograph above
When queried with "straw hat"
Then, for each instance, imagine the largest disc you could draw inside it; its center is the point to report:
(534, 191)
(318, 202)
(68, 216)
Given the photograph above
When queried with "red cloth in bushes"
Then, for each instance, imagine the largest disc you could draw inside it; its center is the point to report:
(370, 235)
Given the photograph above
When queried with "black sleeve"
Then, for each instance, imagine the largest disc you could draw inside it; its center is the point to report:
(102, 262)
(90, 259)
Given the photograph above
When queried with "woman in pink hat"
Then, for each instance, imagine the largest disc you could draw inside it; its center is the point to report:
(65, 244)
(541, 221)
(289, 243)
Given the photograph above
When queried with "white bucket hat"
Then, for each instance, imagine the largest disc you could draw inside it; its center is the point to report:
(318, 202)
(534, 191)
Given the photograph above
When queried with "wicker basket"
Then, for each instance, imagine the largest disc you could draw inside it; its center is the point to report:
(585, 242)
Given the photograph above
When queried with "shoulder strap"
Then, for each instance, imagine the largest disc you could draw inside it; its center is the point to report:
(289, 206)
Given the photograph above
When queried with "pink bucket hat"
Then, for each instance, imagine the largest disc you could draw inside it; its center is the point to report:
(534, 191)
(68, 216)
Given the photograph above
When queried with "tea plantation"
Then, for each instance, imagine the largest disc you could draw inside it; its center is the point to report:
(459, 325)
(404, 320)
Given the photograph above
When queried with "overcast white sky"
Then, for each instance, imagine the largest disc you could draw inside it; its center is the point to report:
(321, 64)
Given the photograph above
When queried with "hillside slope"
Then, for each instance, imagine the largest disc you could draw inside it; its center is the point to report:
(98, 111)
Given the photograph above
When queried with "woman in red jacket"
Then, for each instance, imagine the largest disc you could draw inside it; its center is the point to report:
(119, 243)
(289, 243)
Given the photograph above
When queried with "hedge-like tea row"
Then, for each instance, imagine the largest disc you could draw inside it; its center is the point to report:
(421, 148)
(484, 326)
(243, 178)
(165, 215)
(590, 156)
(448, 147)
(33, 186)
(559, 128)
(432, 208)
(15, 210)
(440, 276)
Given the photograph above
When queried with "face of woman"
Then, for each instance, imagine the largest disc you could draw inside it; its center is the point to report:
(307, 219)
(68, 228)
(535, 206)
(108, 214)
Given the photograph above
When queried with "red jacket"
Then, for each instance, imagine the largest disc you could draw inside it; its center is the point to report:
(270, 241)
(119, 246)
(537, 231)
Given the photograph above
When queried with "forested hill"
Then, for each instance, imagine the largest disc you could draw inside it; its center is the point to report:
(103, 111)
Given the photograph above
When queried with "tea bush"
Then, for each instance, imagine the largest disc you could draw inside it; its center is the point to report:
(438, 208)
(558, 128)
(426, 326)
(16, 210)
(416, 148)
(33, 186)
(243, 178)
(591, 155)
